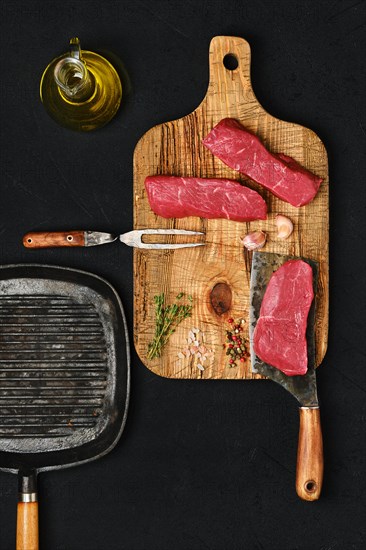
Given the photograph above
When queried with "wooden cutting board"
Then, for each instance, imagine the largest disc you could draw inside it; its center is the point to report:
(175, 148)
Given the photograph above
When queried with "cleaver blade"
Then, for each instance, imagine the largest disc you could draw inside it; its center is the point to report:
(309, 471)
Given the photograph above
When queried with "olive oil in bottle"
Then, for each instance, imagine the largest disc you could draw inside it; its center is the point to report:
(81, 90)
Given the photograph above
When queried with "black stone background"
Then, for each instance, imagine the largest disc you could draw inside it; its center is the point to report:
(200, 465)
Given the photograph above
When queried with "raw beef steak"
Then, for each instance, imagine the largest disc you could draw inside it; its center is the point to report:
(177, 197)
(243, 151)
(279, 337)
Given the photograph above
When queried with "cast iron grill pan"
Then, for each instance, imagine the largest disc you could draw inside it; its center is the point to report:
(64, 370)
(53, 373)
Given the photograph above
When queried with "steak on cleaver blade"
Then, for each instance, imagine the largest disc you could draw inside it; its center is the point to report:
(309, 475)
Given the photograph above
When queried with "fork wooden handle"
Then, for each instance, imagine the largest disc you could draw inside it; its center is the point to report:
(309, 471)
(54, 239)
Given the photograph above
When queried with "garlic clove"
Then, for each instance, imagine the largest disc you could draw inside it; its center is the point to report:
(254, 240)
(284, 226)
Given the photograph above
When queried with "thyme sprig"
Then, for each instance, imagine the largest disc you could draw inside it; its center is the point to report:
(167, 318)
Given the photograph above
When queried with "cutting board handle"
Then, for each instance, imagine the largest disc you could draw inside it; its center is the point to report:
(309, 471)
(229, 82)
(27, 514)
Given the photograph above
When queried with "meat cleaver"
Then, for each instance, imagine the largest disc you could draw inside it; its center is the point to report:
(309, 470)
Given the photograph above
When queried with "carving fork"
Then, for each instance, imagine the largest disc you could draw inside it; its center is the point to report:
(94, 238)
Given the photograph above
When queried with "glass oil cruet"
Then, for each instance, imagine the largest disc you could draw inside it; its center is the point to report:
(81, 90)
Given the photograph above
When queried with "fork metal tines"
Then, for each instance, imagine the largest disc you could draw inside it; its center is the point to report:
(134, 238)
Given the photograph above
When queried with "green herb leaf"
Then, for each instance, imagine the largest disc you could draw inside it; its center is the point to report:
(166, 320)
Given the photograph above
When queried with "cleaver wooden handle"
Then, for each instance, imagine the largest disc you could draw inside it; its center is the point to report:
(309, 471)
(54, 239)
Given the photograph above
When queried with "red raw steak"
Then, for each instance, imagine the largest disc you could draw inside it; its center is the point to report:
(279, 337)
(178, 197)
(244, 152)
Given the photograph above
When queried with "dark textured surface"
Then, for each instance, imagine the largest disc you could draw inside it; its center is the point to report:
(199, 466)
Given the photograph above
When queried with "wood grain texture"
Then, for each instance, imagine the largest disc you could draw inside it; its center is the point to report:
(309, 469)
(54, 239)
(175, 148)
(27, 526)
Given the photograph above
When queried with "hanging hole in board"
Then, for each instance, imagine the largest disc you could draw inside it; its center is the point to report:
(230, 62)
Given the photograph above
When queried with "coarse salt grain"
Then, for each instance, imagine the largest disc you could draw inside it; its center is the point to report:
(196, 348)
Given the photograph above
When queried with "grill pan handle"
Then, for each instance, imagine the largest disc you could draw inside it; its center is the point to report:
(27, 514)
(54, 239)
(309, 471)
